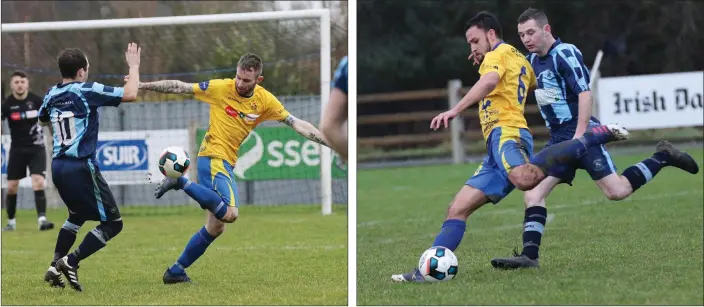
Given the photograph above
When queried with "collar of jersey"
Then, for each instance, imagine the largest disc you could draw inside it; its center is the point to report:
(497, 45)
(557, 42)
(234, 88)
(65, 84)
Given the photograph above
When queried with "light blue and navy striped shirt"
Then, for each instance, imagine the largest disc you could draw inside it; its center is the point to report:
(340, 79)
(561, 76)
(72, 109)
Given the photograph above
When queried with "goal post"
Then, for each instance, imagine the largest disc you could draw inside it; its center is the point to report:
(126, 24)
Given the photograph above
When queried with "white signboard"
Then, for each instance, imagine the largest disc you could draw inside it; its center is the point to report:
(123, 157)
(653, 101)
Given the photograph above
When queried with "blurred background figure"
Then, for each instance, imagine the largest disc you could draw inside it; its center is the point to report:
(26, 150)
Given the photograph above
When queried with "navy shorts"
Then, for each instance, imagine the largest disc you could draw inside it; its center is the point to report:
(83, 189)
(597, 161)
(507, 148)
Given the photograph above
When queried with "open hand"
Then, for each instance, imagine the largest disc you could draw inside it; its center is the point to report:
(443, 119)
(132, 55)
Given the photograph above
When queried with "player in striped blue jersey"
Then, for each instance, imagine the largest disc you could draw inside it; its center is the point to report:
(565, 101)
(71, 110)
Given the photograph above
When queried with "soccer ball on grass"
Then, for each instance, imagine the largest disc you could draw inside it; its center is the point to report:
(174, 162)
(438, 264)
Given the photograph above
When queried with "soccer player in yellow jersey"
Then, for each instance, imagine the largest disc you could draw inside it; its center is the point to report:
(506, 77)
(236, 107)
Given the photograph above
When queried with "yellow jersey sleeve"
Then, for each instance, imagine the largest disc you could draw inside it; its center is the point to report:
(275, 110)
(210, 91)
(492, 62)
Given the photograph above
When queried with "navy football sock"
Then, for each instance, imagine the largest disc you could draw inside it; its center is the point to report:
(207, 198)
(92, 243)
(67, 236)
(644, 171)
(533, 227)
(40, 202)
(194, 249)
(451, 234)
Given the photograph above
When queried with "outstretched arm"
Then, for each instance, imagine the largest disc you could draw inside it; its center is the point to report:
(305, 129)
(168, 86)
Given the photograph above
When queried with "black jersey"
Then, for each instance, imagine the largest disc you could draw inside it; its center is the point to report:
(22, 117)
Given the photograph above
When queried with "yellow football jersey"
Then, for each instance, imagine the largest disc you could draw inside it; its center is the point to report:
(232, 116)
(504, 106)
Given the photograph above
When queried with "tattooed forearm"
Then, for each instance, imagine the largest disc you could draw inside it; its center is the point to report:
(168, 86)
(316, 139)
(305, 129)
(289, 120)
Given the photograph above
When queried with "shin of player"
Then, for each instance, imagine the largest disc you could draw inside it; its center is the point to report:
(73, 105)
(27, 150)
(238, 102)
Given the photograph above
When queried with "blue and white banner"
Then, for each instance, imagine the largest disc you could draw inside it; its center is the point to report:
(123, 157)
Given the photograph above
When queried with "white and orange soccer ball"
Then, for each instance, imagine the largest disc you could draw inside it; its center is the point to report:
(438, 264)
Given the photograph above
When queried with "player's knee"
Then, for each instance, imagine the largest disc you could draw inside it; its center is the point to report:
(232, 214)
(230, 217)
(12, 187)
(37, 183)
(526, 177)
(616, 193)
(109, 230)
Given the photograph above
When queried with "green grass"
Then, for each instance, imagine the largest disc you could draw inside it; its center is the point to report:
(284, 255)
(643, 250)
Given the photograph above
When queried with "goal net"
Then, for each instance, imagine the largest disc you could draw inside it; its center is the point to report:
(275, 167)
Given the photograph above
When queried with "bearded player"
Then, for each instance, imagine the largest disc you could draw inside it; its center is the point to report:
(565, 101)
(506, 77)
(237, 106)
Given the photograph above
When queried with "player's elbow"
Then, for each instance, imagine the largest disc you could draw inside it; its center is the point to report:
(129, 96)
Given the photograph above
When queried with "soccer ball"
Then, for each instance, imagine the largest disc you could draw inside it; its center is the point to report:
(174, 162)
(438, 264)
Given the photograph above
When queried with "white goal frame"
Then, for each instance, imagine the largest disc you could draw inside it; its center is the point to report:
(325, 55)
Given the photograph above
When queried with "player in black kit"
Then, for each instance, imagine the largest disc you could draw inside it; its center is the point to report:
(26, 150)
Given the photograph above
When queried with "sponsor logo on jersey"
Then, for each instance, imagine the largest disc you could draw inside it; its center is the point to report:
(247, 117)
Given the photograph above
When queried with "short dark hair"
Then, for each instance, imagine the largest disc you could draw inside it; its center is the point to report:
(251, 61)
(70, 61)
(535, 14)
(485, 21)
(18, 73)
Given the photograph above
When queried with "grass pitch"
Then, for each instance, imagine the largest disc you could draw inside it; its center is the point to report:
(646, 249)
(285, 255)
